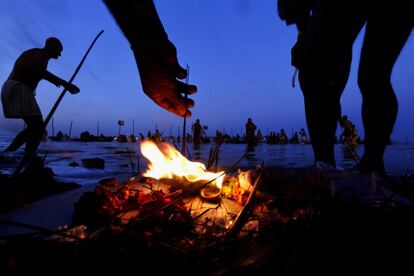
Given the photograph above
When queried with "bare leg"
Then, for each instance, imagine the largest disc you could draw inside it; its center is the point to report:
(18, 141)
(324, 71)
(35, 129)
(383, 42)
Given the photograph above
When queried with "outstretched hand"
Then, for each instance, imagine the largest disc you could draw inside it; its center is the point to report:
(159, 70)
(73, 89)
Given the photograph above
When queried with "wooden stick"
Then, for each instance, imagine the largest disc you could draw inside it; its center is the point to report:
(52, 111)
(353, 153)
(185, 114)
(39, 229)
(132, 163)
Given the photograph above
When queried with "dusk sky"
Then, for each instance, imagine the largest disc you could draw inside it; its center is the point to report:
(239, 57)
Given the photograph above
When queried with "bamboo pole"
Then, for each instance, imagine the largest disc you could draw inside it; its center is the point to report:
(52, 111)
(70, 129)
(185, 114)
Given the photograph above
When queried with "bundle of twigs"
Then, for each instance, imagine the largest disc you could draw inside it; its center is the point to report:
(214, 155)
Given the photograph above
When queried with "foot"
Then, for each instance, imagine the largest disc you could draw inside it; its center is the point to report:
(368, 166)
(25, 162)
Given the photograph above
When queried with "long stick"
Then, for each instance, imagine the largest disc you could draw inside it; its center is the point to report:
(52, 111)
(185, 115)
(132, 163)
(353, 153)
(70, 129)
(39, 228)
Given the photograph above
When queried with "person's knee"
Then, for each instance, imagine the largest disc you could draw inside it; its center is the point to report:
(371, 80)
(35, 125)
(377, 91)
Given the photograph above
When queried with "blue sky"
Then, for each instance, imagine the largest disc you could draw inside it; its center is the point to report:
(239, 57)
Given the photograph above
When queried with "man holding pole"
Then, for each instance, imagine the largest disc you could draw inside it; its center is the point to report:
(18, 94)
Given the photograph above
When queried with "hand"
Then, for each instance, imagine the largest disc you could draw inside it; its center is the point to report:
(159, 69)
(73, 89)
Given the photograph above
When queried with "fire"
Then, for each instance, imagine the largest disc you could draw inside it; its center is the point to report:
(167, 162)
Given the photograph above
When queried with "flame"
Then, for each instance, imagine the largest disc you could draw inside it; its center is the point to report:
(167, 162)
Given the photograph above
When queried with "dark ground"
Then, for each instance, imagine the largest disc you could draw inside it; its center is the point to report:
(348, 229)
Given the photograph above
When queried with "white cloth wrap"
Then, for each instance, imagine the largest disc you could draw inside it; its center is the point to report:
(18, 100)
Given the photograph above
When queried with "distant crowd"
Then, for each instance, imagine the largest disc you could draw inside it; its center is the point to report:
(349, 135)
(198, 135)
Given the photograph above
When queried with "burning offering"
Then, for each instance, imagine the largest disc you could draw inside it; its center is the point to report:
(174, 189)
(178, 221)
(185, 219)
(177, 205)
(168, 163)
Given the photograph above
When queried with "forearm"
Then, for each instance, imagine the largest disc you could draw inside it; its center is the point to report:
(54, 79)
(138, 20)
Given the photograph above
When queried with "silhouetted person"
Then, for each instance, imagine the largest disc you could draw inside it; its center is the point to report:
(250, 131)
(154, 53)
(259, 136)
(303, 136)
(197, 132)
(283, 138)
(219, 137)
(59, 135)
(326, 47)
(18, 93)
(295, 138)
(346, 124)
(157, 135)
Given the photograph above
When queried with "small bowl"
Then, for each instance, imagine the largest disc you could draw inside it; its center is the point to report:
(210, 193)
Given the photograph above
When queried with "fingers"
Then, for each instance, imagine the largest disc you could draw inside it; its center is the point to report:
(172, 100)
(181, 72)
(186, 88)
(73, 89)
(159, 70)
(178, 105)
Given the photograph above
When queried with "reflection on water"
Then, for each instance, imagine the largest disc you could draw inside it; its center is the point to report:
(399, 158)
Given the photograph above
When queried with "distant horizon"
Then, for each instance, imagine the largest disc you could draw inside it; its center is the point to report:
(177, 131)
